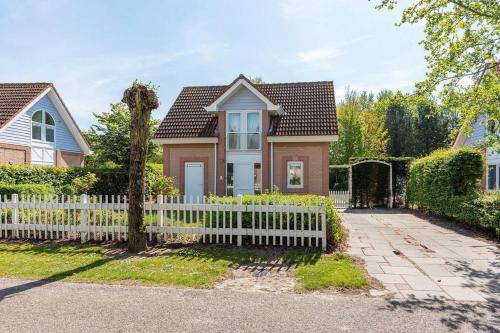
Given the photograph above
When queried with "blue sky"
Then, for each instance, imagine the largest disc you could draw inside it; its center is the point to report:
(92, 50)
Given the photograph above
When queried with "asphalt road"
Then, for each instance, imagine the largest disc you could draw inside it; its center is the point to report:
(41, 306)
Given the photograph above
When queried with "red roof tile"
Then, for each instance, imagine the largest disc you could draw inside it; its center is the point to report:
(14, 97)
(309, 109)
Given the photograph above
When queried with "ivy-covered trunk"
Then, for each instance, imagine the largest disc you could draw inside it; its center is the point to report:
(140, 99)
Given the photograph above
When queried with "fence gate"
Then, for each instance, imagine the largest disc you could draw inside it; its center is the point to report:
(340, 199)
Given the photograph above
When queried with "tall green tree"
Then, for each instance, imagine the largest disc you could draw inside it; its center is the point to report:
(110, 137)
(462, 43)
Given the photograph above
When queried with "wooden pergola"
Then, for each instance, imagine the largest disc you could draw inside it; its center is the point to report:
(349, 166)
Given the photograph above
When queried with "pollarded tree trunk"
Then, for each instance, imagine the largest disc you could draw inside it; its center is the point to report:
(141, 99)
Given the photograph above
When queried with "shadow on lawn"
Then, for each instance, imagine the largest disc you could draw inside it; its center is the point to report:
(8, 292)
(481, 316)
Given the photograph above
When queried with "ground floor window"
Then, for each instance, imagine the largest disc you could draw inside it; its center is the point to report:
(295, 174)
(493, 177)
(229, 179)
(257, 178)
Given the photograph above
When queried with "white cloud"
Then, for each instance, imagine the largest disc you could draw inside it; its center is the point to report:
(318, 55)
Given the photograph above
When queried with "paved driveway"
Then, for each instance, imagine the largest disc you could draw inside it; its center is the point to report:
(417, 258)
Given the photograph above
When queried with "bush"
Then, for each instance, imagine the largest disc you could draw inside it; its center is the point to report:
(26, 189)
(334, 229)
(446, 183)
(158, 184)
(84, 184)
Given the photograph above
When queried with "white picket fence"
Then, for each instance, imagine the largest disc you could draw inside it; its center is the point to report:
(340, 199)
(166, 219)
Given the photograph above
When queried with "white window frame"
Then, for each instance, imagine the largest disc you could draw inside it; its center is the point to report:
(497, 177)
(244, 129)
(288, 177)
(43, 128)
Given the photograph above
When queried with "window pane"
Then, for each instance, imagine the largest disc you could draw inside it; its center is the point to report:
(49, 134)
(37, 116)
(492, 177)
(295, 174)
(36, 132)
(48, 119)
(257, 178)
(253, 125)
(230, 187)
(253, 141)
(234, 122)
(234, 141)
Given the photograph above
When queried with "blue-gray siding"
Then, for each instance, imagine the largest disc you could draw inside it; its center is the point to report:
(478, 134)
(19, 131)
(243, 99)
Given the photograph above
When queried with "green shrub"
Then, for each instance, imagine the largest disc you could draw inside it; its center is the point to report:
(26, 189)
(84, 184)
(158, 184)
(295, 221)
(67, 190)
(446, 183)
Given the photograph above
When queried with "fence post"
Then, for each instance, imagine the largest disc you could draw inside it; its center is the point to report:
(159, 200)
(240, 221)
(15, 215)
(323, 228)
(83, 218)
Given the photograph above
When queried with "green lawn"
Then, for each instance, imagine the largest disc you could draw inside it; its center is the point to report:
(319, 272)
(195, 267)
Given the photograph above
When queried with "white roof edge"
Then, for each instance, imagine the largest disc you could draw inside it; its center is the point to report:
(185, 141)
(270, 106)
(303, 138)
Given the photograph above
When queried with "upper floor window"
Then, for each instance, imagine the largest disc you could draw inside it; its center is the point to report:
(42, 126)
(243, 130)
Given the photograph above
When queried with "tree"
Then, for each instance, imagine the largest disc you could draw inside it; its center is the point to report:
(141, 100)
(257, 80)
(110, 137)
(462, 41)
(399, 124)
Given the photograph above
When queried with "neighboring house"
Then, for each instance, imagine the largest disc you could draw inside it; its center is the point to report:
(244, 138)
(37, 128)
(478, 139)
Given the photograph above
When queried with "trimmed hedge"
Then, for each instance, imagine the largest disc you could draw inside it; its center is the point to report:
(109, 181)
(334, 228)
(370, 181)
(26, 189)
(446, 183)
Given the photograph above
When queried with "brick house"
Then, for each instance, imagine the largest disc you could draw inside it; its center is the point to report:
(244, 138)
(37, 128)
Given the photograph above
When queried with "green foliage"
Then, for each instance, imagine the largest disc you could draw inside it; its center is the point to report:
(334, 228)
(446, 183)
(361, 130)
(84, 184)
(461, 43)
(158, 184)
(110, 137)
(26, 189)
(109, 181)
(370, 181)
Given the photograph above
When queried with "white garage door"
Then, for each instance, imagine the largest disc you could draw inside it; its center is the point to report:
(43, 156)
(193, 178)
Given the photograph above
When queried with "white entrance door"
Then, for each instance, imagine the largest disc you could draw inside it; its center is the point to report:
(43, 155)
(243, 178)
(193, 181)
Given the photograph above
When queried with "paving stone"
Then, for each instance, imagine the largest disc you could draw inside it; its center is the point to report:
(398, 261)
(374, 259)
(428, 294)
(400, 270)
(449, 280)
(463, 294)
(370, 252)
(436, 270)
(421, 283)
(388, 278)
(428, 260)
(373, 268)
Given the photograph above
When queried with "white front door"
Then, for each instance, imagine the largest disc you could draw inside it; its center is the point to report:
(193, 181)
(243, 178)
(43, 155)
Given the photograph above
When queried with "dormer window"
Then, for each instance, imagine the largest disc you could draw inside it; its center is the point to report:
(243, 130)
(42, 127)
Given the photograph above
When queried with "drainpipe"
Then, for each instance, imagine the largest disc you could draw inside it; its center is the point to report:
(215, 168)
(272, 167)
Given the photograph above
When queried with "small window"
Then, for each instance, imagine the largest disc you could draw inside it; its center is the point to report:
(295, 176)
(48, 119)
(229, 179)
(42, 127)
(38, 116)
(36, 132)
(257, 178)
(49, 134)
(492, 177)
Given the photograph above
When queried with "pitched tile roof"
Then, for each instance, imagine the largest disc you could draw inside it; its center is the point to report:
(308, 109)
(14, 97)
